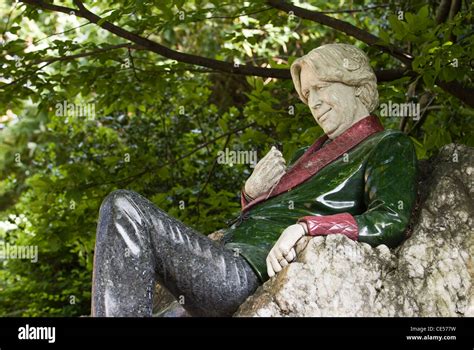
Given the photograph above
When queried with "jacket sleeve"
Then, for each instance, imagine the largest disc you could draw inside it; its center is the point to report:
(390, 176)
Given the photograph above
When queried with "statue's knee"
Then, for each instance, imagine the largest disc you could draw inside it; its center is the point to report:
(121, 221)
(118, 199)
(120, 194)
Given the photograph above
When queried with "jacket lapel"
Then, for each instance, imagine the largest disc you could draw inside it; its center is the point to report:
(318, 156)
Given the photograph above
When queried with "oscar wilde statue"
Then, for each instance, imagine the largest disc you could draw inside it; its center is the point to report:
(357, 180)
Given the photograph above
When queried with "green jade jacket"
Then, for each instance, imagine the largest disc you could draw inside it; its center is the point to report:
(361, 184)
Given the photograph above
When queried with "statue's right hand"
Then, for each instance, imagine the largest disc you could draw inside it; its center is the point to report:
(266, 174)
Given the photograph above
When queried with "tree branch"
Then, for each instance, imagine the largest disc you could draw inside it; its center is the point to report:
(382, 75)
(341, 26)
(8, 19)
(132, 63)
(464, 93)
(385, 75)
(423, 116)
(454, 88)
(209, 175)
(237, 16)
(90, 53)
(50, 60)
(131, 178)
(363, 9)
(453, 11)
(24, 76)
(160, 49)
(443, 11)
(347, 28)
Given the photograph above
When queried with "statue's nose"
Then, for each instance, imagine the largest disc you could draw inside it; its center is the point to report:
(316, 104)
(314, 101)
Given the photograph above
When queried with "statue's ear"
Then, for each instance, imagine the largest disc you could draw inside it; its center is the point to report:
(358, 91)
(295, 71)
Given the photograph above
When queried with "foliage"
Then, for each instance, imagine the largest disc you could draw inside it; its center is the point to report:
(157, 124)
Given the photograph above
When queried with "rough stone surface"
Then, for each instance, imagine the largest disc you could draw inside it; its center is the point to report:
(430, 274)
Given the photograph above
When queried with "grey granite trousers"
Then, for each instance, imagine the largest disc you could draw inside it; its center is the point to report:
(138, 245)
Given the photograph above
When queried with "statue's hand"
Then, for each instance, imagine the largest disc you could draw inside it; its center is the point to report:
(266, 174)
(283, 252)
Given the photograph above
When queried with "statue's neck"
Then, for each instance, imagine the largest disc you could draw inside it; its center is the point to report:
(360, 113)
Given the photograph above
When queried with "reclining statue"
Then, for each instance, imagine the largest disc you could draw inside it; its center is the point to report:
(357, 180)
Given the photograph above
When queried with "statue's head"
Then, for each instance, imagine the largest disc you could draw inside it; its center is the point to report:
(338, 84)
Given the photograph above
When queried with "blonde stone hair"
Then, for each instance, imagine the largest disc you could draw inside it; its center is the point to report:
(341, 63)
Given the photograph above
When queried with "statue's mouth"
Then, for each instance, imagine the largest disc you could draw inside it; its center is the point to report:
(320, 118)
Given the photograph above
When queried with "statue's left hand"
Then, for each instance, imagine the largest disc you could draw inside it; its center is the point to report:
(283, 252)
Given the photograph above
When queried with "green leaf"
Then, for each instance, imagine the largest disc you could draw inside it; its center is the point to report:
(396, 25)
(423, 12)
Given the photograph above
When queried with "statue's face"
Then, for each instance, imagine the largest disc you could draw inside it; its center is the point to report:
(334, 106)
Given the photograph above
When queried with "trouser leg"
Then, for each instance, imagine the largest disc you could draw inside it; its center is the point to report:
(138, 245)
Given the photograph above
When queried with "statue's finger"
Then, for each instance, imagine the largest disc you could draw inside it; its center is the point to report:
(278, 154)
(302, 243)
(270, 271)
(266, 156)
(284, 248)
(291, 255)
(279, 168)
(275, 264)
(276, 253)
